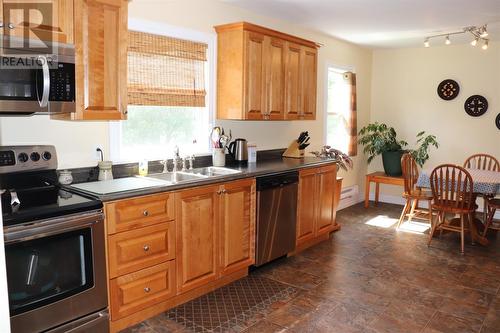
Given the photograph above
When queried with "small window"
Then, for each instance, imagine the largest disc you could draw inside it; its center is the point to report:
(341, 111)
(168, 99)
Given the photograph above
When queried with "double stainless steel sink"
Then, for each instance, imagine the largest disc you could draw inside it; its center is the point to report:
(193, 174)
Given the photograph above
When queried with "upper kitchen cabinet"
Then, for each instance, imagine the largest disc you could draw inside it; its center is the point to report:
(100, 34)
(263, 74)
(47, 20)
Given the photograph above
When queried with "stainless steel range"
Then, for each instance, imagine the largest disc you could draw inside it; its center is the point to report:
(54, 247)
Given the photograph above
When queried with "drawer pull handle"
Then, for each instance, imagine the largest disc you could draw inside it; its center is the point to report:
(146, 248)
(145, 213)
(147, 289)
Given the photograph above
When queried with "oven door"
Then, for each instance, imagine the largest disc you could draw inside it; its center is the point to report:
(55, 271)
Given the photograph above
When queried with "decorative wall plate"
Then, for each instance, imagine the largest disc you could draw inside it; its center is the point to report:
(476, 105)
(448, 89)
(497, 121)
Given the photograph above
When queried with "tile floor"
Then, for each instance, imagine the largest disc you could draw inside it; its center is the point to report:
(370, 278)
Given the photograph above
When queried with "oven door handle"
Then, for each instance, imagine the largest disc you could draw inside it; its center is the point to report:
(49, 227)
(46, 82)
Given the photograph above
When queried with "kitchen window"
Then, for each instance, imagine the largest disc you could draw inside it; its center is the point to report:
(341, 128)
(169, 95)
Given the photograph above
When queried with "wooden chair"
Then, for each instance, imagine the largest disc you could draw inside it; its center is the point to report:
(452, 191)
(482, 162)
(492, 206)
(412, 194)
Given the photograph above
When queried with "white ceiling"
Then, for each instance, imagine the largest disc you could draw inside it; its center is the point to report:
(383, 23)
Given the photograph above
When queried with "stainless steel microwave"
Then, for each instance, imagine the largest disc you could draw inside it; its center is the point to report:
(36, 79)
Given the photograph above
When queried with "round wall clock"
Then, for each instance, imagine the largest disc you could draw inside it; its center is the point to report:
(497, 121)
(476, 105)
(448, 89)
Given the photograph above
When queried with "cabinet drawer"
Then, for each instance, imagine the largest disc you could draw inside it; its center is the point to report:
(136, 291)
(139, 212)
(133, 250)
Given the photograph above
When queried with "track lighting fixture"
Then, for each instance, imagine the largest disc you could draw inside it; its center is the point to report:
(483, 33)
(478, 33)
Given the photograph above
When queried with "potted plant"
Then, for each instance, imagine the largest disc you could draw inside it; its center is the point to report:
(343, 160)
(380, 139)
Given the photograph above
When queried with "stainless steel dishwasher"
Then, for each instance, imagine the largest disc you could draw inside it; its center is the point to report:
(276, 216)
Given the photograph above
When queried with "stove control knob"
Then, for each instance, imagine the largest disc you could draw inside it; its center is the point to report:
(35, 157)
(23, 158)
(46, 155)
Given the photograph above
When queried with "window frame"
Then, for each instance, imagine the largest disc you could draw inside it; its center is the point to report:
(115, 127)
(328, 65)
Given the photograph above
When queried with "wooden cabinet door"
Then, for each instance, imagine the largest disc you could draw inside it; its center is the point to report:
(307, 205)
(197, 215)
(101, 59)
(254, 76)
(274, 59)
(237, 225)
(327, 182)
(293, 78)
(309, 82)
(46, 20)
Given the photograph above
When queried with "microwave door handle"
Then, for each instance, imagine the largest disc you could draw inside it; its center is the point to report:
(44, 102)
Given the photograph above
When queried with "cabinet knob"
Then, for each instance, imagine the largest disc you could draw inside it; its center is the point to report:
(145, 212)
(147, 290)
(11, 26)
(146, 248)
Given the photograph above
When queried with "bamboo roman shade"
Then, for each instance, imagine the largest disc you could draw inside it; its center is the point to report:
(165, 71)
(352, 128)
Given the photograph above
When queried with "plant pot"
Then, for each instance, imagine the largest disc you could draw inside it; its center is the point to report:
(392, 163)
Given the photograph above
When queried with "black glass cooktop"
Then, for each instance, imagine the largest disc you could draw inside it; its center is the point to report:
(31, 197)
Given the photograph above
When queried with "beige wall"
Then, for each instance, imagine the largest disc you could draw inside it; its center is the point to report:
(76, 142)
(404, 95)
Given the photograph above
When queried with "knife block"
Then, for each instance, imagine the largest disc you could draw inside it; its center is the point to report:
(293, 151)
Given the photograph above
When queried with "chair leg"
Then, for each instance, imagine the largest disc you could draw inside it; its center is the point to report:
(462, 234)
(489, 219)
(412, 211)
(433, 227)
(430, 212)
(403, 214)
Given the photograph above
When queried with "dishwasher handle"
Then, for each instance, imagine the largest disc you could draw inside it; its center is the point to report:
(276, 181)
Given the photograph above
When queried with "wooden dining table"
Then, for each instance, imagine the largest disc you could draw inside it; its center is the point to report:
(485, 182)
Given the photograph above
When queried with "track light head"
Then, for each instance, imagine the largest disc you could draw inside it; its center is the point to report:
(447, 41)
(474, 41)
(485, 45)
(483, 33)
(426, 42)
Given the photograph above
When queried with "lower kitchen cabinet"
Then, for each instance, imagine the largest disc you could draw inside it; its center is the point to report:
(237, 226)
(215, 225)
(317, 204)
(197, 231)
(165, 249)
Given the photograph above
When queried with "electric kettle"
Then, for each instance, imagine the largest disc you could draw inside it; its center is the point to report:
(238, 149)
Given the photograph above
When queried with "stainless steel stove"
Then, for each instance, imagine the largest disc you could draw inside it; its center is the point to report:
(54, 247)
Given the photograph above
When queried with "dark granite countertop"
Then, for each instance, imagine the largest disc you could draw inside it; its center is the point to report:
(260, 168)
